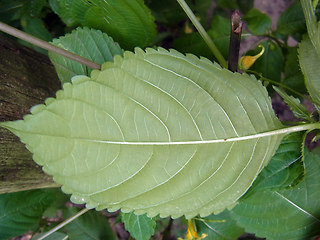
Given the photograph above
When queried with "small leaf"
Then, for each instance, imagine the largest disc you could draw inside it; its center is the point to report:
(298, 109)
(88, 43)
(129, 22)
(152, 132)
(285, 214)
(91, 225)
(309, 63)
(258, 22)
(219, 227)
(140, 227)
(22, 211)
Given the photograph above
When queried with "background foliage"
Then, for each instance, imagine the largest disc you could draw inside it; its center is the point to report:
(283, 201)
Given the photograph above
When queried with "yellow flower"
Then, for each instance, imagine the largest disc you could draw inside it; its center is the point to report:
(192, 233)
(246, 62)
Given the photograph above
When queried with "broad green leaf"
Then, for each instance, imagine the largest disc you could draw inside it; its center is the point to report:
(13, 10)
(298, 109)
(53, 236)
(291, 21)
(129, 22)
(219, 227)
(140, 227)
(285, 214)
(88, 43)
(193, 43)
(309, 63)
(22, 211)
(258, 22)
(155, 132)
(91, 225)
(170, 13)
(285, 168)
(271, 62)
(35, 26)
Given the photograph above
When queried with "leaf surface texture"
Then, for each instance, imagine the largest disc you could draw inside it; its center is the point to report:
(154, 132)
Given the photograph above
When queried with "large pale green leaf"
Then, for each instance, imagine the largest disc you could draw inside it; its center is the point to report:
(309, 63)
(155, 132)
(285, 214)
(140, 227)
(88, 43)
(22, 211)
(129, 22)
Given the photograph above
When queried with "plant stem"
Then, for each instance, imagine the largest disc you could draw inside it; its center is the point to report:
(235, 38)
(45, 45)
(203, 33)
(78, 214)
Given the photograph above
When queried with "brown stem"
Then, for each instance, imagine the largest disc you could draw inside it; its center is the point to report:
(235, 38)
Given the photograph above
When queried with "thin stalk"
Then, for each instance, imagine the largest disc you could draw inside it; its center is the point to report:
(45, 45)
(61, 225)
(235, 38)
(276, 83)
(203, 33)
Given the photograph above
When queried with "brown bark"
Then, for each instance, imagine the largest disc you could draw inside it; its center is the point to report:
(26, 79)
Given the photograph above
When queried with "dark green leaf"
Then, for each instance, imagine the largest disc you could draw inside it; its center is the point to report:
(285, 167)
(35, 26)
(170, 13)
(193, 43)
(293, 77)
(291, 21)
(219, 227)
(129, 22)
(91, 44)
(53, 236)
(285, 214)
(91, 225)
(271, 62)
(258, 22)
(141, 227)
(22, 211)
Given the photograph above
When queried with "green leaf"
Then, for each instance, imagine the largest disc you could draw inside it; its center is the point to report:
(293, 76)
(298, 109)
(271, 62)
(309, 63)
(258, 22)
(129, 22)
(152, 132)
(35, 27)
(22, 211)
(140, 227)
(193, 43)
(53, 236)
(219, 227)
(91, 225)
(285, 168)
(285, 214)
(291, 21)
(88, 43)
(13, 10)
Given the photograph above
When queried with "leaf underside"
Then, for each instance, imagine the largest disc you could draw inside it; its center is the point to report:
(136, 135)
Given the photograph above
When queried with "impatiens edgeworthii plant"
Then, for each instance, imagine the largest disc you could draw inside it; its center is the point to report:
(158, 133)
